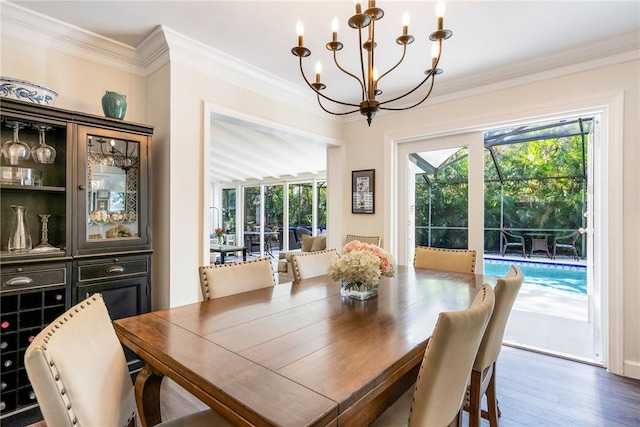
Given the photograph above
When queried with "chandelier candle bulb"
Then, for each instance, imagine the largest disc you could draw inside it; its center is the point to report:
(440, 14)
(300, 32)
(318, 71)
(435, 52)
(368, 87)
(405, 23)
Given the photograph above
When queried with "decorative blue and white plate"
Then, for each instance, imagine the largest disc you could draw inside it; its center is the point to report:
(26, 91)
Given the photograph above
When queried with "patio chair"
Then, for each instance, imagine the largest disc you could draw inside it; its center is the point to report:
(566, 243)
(511, 241)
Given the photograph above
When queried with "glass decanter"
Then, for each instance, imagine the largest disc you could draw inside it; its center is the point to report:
(15, 150)
(43, 153)
(19, 239)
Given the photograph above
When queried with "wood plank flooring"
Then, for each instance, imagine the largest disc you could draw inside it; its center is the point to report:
(533, 390)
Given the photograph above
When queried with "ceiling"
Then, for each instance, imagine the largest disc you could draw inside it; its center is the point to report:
(492, 41)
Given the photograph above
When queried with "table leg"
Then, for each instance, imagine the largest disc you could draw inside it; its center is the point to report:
(147, 391)
(221, 257)
(244, 254)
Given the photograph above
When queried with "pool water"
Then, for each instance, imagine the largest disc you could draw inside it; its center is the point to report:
(571, 279)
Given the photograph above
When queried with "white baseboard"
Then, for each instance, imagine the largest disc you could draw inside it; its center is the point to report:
(632, 369)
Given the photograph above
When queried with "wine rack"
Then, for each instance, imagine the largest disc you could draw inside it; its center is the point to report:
(24, 315)
(95, 197)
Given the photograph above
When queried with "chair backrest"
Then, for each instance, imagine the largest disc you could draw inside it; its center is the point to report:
(506, 291)
(221, 280)
(372, 240)
(458, 260)
(312, 264)
(442, 381)
(78, 370)
(301, 231)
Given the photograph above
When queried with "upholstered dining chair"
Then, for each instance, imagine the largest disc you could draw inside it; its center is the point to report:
(221, 280)
(372, 240)
(438, 395)
(458, 260)
(483, 374)
(79, 374)
(312, 264)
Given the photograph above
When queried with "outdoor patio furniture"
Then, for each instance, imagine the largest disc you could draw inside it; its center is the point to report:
(566, 243)
(539, 243)
(511, 241)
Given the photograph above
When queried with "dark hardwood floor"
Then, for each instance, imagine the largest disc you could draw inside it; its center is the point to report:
(533, 390)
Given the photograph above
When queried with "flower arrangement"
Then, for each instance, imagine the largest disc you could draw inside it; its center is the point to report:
(219, 231)
(361, 264)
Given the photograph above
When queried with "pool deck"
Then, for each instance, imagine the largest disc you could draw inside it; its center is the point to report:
(547, 320)
(537, 259)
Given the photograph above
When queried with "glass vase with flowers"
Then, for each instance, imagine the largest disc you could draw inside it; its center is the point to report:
(219, 232)
(359, 269)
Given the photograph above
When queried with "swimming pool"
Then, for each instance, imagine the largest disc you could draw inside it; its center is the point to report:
(564, 278)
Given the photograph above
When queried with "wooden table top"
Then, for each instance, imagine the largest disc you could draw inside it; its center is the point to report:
(298, 354)
(225, 248)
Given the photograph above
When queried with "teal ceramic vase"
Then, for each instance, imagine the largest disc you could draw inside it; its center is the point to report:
(114, 105)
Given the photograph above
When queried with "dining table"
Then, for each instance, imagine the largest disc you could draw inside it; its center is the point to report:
(296, 354)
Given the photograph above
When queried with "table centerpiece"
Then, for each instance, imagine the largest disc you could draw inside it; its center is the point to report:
(359, 269)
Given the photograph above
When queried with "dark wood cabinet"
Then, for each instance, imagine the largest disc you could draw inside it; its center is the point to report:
(95, 199)
(32, 296)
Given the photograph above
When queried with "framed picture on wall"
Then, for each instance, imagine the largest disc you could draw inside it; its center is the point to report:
(362, 188)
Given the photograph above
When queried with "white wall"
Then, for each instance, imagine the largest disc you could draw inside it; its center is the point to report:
(80, 84)
(172, 100)
(190, 89)
(369, 147)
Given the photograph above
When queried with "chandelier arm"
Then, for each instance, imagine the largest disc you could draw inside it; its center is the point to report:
(364, 78)
(433, 80)
(331, 112)
(371, 60)
(318, 92)
(335, 60)
(431, 75)
(404, 52)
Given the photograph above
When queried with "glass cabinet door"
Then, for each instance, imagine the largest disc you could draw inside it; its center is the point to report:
(113, 194)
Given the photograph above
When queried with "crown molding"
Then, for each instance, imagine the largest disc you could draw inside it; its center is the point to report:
(164, 45)
(198, 56)
(31, 27)
(605, 53)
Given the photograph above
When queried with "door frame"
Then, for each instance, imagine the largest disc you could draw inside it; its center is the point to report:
(608, 197)
(474, 143)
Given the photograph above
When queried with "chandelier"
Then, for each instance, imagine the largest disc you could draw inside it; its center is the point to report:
(369, 78)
